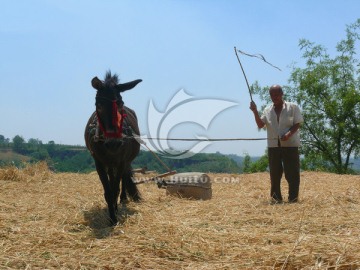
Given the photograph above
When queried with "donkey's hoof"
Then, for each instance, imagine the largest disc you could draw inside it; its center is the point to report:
(113, 222)
(136, 198)
(124, 198)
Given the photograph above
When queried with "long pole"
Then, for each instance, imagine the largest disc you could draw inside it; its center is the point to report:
(247, 83)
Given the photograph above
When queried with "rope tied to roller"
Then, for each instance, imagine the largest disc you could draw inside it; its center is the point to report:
(159, 179)
(206, 139)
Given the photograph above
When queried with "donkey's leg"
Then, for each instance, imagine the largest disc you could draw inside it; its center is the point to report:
(114, 185)
(129, 185)
(108, 194)
(123, 195)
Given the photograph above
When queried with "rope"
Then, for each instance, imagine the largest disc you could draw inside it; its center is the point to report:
(207, 140)
(169, 171)
(157, 157)
(258, 55)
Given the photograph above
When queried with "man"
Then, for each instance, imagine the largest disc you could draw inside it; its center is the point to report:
(282, 120)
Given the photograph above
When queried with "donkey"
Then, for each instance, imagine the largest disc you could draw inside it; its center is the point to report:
(109, 136)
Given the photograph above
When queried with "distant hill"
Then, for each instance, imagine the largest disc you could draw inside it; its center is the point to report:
(70, 158)
(8, 156)
(240, 159)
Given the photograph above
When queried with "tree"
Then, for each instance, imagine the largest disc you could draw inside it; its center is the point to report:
(246, 163)
(34, 145)
(328, 92)
(18, 144)
(2, 139)
(51, 148)
(40, 154)
(259, 165)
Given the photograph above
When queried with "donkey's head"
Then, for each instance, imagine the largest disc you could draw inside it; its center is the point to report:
(109, 103)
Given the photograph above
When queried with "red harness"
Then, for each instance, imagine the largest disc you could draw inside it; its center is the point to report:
(117, 122)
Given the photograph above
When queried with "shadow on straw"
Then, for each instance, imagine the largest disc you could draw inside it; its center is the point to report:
(97, 218)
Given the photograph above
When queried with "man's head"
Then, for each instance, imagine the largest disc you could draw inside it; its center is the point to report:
(276, 94)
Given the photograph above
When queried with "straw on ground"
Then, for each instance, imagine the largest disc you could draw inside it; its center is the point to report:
(59, 221)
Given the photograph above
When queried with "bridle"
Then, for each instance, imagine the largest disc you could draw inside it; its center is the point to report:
(117, 118)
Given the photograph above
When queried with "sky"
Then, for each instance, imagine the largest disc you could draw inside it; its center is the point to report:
(183, 50)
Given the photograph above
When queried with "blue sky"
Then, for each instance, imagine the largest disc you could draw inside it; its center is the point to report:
(50, 51)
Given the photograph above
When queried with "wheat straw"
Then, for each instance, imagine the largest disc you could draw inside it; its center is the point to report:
(60, 221)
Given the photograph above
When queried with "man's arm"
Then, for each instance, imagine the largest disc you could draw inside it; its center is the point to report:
(258, 120)
(291, 131)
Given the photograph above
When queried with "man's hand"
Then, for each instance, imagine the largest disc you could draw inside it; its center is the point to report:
(286, 136)
(290, 132)
(253, 106)
(258, 120)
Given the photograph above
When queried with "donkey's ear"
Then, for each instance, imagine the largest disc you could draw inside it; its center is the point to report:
(122, 87)
(96, 83)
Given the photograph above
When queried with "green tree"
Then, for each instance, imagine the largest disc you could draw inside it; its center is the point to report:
(18, 144)
(246, 163)
(34, 145)
(260, 165)
(2, 139)
(4, 142)
(51, 148)
(328, 92)
(40, 154)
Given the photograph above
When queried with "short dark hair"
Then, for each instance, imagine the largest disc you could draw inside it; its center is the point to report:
(277, 87)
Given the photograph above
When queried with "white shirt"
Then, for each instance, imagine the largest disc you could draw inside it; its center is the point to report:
(289, 116)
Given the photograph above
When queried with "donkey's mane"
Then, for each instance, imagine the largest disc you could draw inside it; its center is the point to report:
(111, 80)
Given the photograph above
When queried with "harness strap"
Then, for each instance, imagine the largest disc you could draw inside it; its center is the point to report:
(117, 122)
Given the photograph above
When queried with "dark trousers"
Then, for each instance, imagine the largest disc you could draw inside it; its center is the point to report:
(284, 159)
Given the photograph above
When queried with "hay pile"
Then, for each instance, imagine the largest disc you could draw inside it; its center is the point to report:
(60, 222)
(37, 171)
